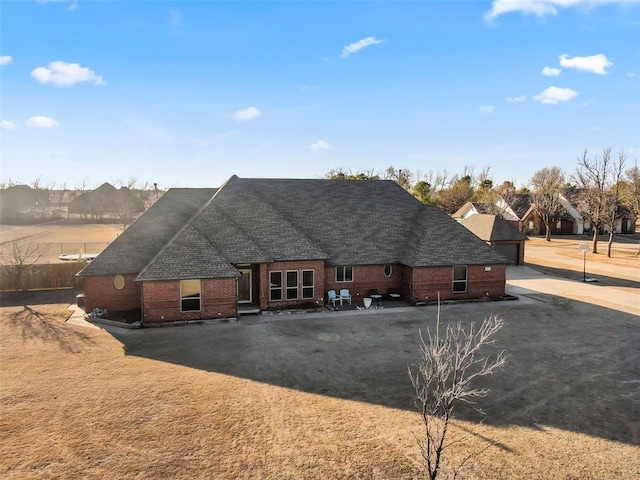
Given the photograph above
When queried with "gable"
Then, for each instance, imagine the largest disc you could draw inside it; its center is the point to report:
(149, 233)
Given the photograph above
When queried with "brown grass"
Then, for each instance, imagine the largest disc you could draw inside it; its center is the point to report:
(74, 405)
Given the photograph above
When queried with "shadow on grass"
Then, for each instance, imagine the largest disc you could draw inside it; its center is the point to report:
(32, 324)
(572, 366)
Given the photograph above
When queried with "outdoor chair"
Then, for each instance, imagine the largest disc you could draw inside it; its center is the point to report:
(345, 295)
(333, 298)
(394, 294)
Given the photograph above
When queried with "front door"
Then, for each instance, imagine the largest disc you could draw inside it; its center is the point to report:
(244, 286)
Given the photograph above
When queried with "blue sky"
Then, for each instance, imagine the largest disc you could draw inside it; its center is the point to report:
(189, 93)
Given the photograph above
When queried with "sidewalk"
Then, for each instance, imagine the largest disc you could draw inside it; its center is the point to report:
(525, 280)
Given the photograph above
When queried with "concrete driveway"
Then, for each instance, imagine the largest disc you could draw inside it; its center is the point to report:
(573, 362)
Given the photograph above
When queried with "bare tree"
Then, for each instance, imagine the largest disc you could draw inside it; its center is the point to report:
(20, 253)
(457, 194)
(450, 362)
(547, 185)
(630, 194)
(403, 176)
(598, 203)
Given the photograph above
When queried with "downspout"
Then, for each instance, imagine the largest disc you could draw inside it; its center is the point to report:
(141, 303)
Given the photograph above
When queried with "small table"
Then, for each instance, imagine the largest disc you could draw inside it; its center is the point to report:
(377, 297)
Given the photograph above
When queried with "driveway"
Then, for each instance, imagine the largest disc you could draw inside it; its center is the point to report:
(573, 358)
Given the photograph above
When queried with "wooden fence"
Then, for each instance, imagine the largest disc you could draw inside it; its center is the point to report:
(41, 276)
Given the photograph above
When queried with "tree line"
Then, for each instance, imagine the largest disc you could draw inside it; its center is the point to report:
(600, 187)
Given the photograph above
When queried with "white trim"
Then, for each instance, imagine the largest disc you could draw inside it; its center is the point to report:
(287, 287)
(344, 274)
(312, 286)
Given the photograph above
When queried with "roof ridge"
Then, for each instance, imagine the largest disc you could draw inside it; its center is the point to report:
(175, 235)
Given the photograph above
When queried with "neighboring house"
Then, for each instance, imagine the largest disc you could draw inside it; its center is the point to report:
(21, 203)
(501, 208)
(275, 243)
(499, 234)
(106, 201)
(569, 223)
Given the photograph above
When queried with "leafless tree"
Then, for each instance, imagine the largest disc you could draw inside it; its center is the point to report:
(547, 185)
(630, 194)
(450, 362)
(20, 253)
(599, 200)
(403, 176)
(459, 192)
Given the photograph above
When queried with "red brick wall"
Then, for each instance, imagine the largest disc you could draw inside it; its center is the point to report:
(162, 300)
(101, 293)
(366, 277)
(319, 279)
(428, 281)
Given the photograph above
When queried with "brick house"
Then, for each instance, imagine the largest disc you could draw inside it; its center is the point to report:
(276, 243)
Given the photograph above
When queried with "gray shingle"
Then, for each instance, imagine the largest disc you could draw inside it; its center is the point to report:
(492, 229)
(144, 238)
(262, 220)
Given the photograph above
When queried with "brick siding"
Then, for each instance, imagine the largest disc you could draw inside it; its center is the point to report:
(100, 293)
(365, 278)
(318, 283)
(428, 281)
(162, 300)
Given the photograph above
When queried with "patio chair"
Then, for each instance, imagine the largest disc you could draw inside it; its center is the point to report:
(394, 294)
(345, 295)
(333, 298)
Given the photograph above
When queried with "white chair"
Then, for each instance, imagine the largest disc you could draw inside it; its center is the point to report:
(345, 295)
(333, 298)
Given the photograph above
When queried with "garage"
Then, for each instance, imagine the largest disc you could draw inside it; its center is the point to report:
(511, 251)
(499, 234)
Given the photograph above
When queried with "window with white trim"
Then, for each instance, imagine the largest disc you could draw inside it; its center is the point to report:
(275, 285)
(292, 285)
(388, 270)
(189, 295)
(307, 284)
(344, 274)
(460, 279)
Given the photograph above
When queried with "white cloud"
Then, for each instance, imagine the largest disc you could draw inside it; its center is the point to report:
(5, 60)
(518, 99)
(319, 145)
(551, 72)
(487, 108)
(555, 95)
(7, 125)
(540, 8)
(41, 122)
(359, 45)
(245, 114)
(594, 63)
(66, 74)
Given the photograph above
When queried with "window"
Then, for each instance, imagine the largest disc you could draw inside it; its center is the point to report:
(344, 274)
(460, 279)
(292, 285)
(118, 282)
(189, 295)
(388, 270)
(275, 285)
(307, 284)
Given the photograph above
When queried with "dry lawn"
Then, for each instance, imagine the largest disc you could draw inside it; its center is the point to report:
(74, 405)
(63, 238)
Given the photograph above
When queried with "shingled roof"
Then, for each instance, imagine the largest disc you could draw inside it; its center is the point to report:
(492, 229)
(149, 233)
(342, 222)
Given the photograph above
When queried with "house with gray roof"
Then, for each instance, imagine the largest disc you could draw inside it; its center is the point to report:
(281, 243)
(499, 234)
